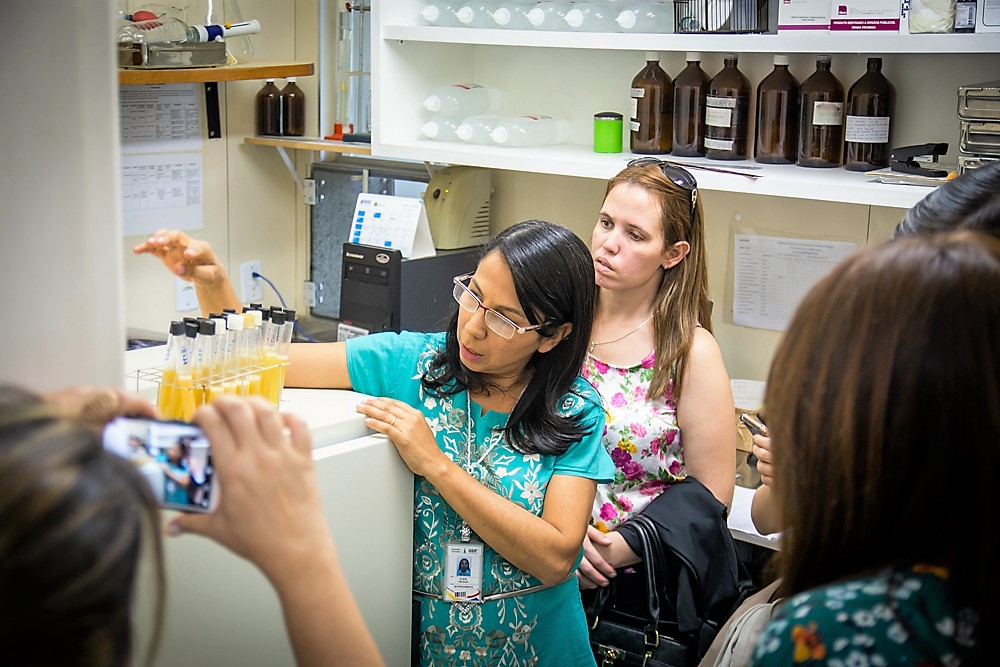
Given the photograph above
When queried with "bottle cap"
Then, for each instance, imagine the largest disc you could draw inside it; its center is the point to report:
(234, 322)
(277, 317)
(823, 59)
(177, 328)
(652, 55)
(731, 56)
(465, 15)
(191, 329)
(228, 311)
(780, 60)
(464, 131)
(626, 19)
(289, 315)
(268, 80)
(206, 327)
(431, 129)
(499, 135)
(432, 103)
(693, 56)
(536, 16)
(258, 317)
(290, 79)
(431, 13)
(501, 16)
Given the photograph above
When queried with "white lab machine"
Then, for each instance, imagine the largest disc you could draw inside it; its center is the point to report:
(220, 610)
(457, 200)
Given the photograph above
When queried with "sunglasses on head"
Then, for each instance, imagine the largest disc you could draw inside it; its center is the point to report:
(677, 175)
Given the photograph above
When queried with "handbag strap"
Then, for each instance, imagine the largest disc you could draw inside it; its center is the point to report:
(654, 562)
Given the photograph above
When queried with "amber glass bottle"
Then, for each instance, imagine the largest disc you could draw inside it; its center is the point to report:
(268, 115)
(727, 113)
(777, 116)
(821, 131)
(869, 114)
(690, 90)
(293, 110)
(652, 113)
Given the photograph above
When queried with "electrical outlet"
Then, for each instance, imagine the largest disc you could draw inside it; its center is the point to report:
(309, 293)
(251, 289)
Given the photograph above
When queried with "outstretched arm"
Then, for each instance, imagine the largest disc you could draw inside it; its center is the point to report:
(196, 262)
(260, 455)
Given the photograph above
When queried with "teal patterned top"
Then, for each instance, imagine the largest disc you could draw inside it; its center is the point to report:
(897, 617)
(542, 628)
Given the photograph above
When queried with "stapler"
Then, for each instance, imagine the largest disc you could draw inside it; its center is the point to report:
(904, 159)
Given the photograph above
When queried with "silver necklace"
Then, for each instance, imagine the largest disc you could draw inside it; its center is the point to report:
(608, 342)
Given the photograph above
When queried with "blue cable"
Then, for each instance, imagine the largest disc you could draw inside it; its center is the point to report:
(296, 322)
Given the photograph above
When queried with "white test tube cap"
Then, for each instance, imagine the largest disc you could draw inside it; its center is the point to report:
(234, 322)
(258, 317)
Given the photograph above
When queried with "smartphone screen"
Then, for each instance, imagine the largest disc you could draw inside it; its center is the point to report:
(174, 457)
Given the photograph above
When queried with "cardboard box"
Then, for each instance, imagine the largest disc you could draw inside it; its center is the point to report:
(865, 15)
(988, 16)
(803, 15)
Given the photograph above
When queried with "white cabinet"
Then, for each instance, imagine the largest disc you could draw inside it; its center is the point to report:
(575, 75)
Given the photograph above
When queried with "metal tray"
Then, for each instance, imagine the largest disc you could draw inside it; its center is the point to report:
(970, 162)
(979, 101)
(979, 137)
(171, 55)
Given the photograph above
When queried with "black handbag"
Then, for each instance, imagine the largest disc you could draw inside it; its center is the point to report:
(639, 636)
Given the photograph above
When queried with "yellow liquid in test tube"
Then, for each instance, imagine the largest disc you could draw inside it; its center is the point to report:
(185, 388)
(165, 396)
(214, 391)
(254, 380)
(282, 361)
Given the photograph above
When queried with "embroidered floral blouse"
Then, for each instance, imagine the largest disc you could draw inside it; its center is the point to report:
(641, 435)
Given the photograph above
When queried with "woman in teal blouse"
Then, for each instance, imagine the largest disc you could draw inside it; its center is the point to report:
(889, 369)
(502, 433)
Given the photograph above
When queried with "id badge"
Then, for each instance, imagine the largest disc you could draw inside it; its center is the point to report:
(463, 577)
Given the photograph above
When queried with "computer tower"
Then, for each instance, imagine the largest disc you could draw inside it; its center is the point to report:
(381, 291)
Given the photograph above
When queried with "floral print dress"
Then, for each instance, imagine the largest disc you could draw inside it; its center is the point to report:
(641, 435)
(896, 617)
(547, 628)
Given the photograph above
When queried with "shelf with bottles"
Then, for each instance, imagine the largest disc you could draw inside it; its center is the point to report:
(237, 72)
(813, 42)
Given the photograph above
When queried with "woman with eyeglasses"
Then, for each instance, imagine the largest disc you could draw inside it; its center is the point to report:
(652, 356)
(500, 430)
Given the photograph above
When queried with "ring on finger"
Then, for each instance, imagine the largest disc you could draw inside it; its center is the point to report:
(393, 422)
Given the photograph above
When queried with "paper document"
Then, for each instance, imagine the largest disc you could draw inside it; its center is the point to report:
(772, 274)
(392, 222)
(160, 118)
(162, 190)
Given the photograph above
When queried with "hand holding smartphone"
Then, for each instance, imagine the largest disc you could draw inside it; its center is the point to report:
(756, 427)
(174, 457)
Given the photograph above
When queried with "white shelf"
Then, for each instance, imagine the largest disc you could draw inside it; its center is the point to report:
(814, 42)
(837, 185)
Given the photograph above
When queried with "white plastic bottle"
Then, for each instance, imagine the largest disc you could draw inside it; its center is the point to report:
(477, 129)
(441, 127)
(441, 13)
(476, 14)
(592, 17)
(513, 15)
(651, 17)
(463, 99)
(167, 29)
(522, 131)
(548, 15)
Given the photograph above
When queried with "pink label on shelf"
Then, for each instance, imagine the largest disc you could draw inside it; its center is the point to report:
(864, 24)
(804, 26)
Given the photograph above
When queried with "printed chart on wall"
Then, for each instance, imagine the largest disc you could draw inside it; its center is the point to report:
(771, 275)
(161, 165)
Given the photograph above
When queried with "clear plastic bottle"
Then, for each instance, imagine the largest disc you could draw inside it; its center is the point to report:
(651, 17)
(441, 127)
(522, 131)
(777, 116)
(690, 91)
(477, 129)
(292, 103)
(652, 108)
(869, 115)
(239, 49)
(441, 13)
(549, 15)
(727, 113)
(821, 128)
(592, 17)
(513, 15)
(476, 14)
(168, 29)
(463, 99)
(268, 109)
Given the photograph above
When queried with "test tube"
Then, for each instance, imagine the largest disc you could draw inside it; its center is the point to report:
(252, 354)
(168, 377)
(231, 363)
(185, 372)
(271, 377)
(204, 349)
(284, 345)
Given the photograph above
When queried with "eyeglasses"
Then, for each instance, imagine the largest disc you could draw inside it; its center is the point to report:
(497, 323)
(677, 175)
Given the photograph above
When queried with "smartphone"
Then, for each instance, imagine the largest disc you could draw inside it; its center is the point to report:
(174, 457)
(753, 424)
(756, 427)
